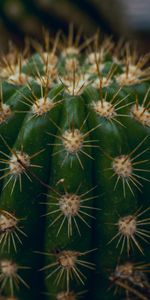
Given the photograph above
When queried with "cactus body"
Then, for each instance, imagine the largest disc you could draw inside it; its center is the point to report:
(74, 162)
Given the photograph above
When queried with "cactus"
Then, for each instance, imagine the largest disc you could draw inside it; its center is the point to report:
(74, 173)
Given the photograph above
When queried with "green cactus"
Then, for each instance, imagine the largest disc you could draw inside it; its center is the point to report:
(74, 170)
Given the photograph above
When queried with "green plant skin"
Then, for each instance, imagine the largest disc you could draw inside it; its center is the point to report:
(59, 174)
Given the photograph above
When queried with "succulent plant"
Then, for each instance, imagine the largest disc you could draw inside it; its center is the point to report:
(74, 165)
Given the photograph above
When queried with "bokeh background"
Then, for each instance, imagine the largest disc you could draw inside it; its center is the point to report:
(128, 19)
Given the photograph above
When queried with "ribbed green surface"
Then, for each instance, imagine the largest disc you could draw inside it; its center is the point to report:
(58, 146)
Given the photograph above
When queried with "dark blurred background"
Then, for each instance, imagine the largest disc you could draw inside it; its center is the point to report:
(128, 19)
